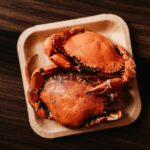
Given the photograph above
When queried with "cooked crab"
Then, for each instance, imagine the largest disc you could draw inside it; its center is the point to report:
(91, 51)
(60, 96)
(86, 76)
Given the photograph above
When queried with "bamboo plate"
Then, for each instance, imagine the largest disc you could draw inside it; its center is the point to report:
(30, 43)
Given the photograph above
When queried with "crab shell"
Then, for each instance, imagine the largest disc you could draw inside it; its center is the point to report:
(61, 97)
(94, 50)
(67, 102)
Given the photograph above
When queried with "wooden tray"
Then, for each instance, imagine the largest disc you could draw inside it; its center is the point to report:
(31, 42)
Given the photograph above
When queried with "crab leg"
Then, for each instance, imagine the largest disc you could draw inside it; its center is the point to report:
(112, 116)
(115, 84)
(110, 85)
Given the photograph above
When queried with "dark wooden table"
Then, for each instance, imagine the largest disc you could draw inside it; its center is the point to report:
(15, 16)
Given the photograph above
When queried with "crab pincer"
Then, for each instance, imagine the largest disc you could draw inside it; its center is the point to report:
(60, 60)
(48, 46)
(53, 46)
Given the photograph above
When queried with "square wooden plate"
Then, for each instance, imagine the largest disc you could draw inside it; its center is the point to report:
(30, 43)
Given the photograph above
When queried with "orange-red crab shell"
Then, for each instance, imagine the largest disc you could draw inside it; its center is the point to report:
(68, 103)
(94, 50)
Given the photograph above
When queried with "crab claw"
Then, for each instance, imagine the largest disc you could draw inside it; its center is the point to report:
(48, 46)
(60, 60)
(109, 85)
(35, 85)
(32, 97)
(41, 109)
(129, 69)
(36, 80)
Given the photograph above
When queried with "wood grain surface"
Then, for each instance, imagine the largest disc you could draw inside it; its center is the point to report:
(16, 16)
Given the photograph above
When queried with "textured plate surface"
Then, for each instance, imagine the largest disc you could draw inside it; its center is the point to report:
(30, 43)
